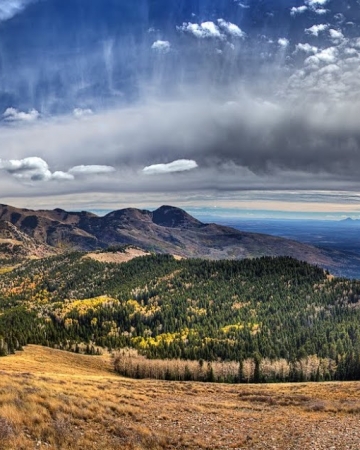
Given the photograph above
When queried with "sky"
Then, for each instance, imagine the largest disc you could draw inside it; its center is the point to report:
(243, 105)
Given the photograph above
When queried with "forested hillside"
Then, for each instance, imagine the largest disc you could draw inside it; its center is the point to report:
(277, 309)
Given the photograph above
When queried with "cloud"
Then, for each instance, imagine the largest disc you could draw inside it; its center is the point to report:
(298, 10)
(34, 168)
(80, 112)
(231, 29)
(336, 35)
(321, 11)
(9, 8)
(91, 170)
(201, 31)
(221, 30)
(24, 165)
(316, 3)
(62, 176)
(307, 48)
(31, 169)
(328, 55)
(351, 52)
(315, 6)
(355, 43)
(283, 42)
(161, 46)
(265, 144)
(315, 30)
(181, 165)
(13, 115)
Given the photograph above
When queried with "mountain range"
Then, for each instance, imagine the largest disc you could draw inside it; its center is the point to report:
(29, 233)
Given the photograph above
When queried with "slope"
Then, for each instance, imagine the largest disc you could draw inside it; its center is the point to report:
(69, 408)
(16, 245)
(267, 308)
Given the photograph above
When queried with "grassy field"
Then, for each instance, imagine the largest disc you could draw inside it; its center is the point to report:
(56, 400)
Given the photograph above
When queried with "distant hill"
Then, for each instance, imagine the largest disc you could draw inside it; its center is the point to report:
(165, 230)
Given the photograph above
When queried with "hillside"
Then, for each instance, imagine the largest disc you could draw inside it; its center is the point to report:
(16, 245)
(268, 309)
(56, 400)
(166, 230)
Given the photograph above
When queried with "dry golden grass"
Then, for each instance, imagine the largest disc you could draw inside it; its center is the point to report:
(42, 360)
(57, 400)
(117, 257)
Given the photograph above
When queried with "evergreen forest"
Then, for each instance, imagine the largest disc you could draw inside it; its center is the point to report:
(210, 312)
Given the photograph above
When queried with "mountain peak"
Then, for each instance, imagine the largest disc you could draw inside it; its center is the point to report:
(172, 217)
(127, 214)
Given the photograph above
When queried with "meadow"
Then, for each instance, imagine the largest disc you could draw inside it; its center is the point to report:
(51, 399)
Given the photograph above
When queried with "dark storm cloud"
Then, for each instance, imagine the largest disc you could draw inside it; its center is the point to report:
(236, 145)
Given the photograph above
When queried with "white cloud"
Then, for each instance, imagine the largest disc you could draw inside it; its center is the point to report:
(331, 68)
(351, 52)
(321, 11)
(221, 30)
(328, 55)
(231, 28)
(80, 112)
(298, 10)
(34, 168)
(202, 31)
(91, 170)
(13, 115)
(62, 176)
(26, 164)
(316, 29)
(31, 168)
(211, 29)
(336, 35)
(180, 165)
(316, 3)
(161, 46)
(9, 8)
(356, 43)
(307, 48)
(317, 6)
(283, 42)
